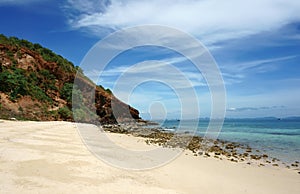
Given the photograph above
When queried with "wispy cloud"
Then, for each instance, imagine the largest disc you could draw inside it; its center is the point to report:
(159, 70)
(211, 21)
(235, 73)
(244, 66)
(240, 109)
(254, 25)
(87, 6)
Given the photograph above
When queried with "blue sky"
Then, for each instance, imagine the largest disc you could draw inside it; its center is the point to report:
(256, 45)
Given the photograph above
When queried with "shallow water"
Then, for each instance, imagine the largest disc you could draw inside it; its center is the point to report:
(277, 138)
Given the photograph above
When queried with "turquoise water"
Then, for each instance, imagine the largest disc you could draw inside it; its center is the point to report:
(277, 138)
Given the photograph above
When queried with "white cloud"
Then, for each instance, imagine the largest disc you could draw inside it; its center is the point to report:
(161, 70)
(256, 63)
(87, 7)
(237, 72)
(211, 21)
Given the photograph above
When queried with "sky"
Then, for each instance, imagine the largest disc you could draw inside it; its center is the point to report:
(255, 44)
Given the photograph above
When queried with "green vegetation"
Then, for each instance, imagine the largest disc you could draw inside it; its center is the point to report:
(66, 92)
(47, 80)
(79, 114)
(16, 83)
(65, 113)
(80, 111)
(47, 54)
(108, 91)
(31, 70)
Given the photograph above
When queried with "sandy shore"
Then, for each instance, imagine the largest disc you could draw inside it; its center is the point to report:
(50, 157)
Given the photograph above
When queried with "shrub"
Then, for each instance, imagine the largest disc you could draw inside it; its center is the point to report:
(70, 89)
(66, 92)
(65, 113)
(16, 83)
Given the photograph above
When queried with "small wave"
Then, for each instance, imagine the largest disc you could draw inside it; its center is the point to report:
(276, 133)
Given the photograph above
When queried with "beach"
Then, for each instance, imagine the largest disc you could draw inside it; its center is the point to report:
(50, 157)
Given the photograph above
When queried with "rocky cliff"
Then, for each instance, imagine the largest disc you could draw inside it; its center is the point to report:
(37, 84)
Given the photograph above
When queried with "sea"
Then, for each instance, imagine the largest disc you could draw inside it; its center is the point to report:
(279, 138)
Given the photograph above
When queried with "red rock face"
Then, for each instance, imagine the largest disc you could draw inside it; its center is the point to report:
(49, 79)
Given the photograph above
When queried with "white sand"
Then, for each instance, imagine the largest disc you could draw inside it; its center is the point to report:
(50, 157)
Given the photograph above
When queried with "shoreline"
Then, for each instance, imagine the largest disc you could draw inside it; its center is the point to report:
(219, 149)
(50, 157)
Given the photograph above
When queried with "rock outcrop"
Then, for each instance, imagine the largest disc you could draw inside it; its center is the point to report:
(37, 84)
